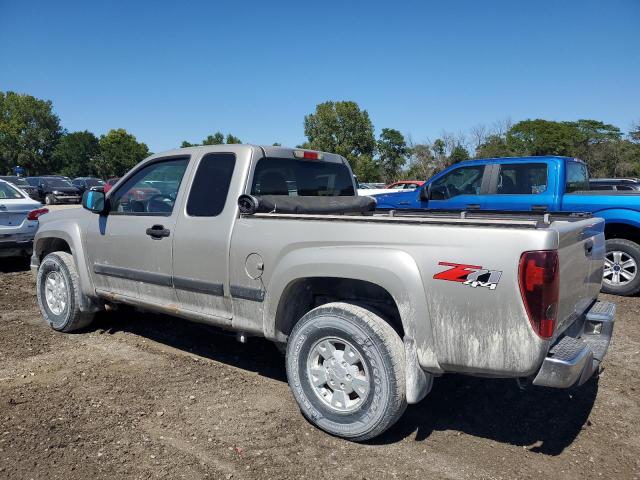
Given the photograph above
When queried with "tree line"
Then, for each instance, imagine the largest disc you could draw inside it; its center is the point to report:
(32, 137)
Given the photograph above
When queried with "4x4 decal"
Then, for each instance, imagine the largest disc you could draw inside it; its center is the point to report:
(471, 275)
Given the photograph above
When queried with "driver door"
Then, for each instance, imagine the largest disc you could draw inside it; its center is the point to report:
(129, 249)
(462, 188)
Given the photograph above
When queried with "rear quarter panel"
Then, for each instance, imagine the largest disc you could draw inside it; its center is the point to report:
(456, 327)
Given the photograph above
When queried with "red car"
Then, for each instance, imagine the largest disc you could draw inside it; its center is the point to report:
(110, 183)
(405, 184)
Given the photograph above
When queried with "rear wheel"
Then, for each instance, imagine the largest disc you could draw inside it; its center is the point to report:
(621, 276)
(345, 366)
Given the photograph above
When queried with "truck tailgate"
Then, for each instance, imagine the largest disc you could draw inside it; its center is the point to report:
(581, 251)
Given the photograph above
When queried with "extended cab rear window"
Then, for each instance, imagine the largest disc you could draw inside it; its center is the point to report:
(577, 177)
(301, 178)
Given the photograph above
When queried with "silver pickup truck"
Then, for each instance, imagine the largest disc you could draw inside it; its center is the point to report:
(275, 242)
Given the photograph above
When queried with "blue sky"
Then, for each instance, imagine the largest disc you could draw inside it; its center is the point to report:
(169, 71)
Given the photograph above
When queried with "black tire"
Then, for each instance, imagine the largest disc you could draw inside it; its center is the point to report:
(382, 355)
(49, 200)
(632, 249)
(71, 318)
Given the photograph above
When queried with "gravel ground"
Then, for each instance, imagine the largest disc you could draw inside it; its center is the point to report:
(148, 396)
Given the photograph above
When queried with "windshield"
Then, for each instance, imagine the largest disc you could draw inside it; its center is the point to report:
(304, 178)
(7, 191)
(58, 182)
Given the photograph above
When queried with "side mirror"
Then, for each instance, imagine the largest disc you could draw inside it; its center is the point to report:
(425, 193)
(94, 201)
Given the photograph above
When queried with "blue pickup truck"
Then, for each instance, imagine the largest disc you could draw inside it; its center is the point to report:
(549, 184)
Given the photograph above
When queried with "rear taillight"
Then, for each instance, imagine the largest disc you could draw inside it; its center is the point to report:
(35, 214)
(539, 278)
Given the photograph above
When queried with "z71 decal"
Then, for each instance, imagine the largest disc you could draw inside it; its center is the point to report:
(471, 275)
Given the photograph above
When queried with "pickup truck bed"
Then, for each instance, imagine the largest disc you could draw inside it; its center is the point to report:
(371, 306)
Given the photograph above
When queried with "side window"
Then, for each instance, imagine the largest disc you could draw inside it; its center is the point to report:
(211, 185)
(522, 179)
(577, 177)
(624, 188)
(461, 181)
(151, 191)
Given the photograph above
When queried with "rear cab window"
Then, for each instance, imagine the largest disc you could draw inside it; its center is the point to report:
(301, 178)
(522, 179)
(577, 177)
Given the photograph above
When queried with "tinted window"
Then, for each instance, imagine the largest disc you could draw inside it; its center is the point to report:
(7, 191)
(624, 187)
(282, 176)
(93, 182)
(522, 179)
(600, 187)
(151, 191)
(461, 181)
(211, 185)
(577, 177)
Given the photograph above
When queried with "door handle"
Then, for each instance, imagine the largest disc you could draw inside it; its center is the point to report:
(158, 231)
(473, 206)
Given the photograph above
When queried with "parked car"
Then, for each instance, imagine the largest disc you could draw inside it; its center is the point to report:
(110, 183)
(55, 189)
(616, 184)
(547, 184)
(85, 183)
(22, 184)
(273, 242)
(18, 221)
(405, 185)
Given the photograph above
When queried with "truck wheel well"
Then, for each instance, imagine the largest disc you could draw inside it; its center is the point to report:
(305, 294)
(50, 245)
(622, 230)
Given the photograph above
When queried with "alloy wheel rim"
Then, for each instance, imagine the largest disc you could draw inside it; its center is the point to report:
(338, 375)
(55, 292)
(620, 268)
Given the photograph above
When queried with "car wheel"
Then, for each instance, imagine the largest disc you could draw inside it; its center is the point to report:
(345, 366)
(49, 200)
(58, 291)
(621, 276)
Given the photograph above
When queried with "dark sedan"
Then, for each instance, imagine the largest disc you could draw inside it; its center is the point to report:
(52, 190)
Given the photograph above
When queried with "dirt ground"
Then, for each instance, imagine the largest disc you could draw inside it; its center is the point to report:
(148, 396)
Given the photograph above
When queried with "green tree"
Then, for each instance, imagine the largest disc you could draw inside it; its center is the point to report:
(186, 144)
(543, 137)
(368, 169)
(494, 146)
(119, 152)
(232, 139)
(421, 163)
(393, 152)
(215, 139)
(342, 128)
(75, 152)
(458, 154)
(29, 131)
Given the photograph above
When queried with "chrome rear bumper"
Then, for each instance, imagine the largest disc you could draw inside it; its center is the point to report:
(573, 360)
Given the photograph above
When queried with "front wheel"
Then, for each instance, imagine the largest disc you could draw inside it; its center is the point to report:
(621, 276)
(58, 291)
(49, 200)
(345, 366)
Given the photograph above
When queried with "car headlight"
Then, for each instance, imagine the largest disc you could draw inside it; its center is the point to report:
(56, 192)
